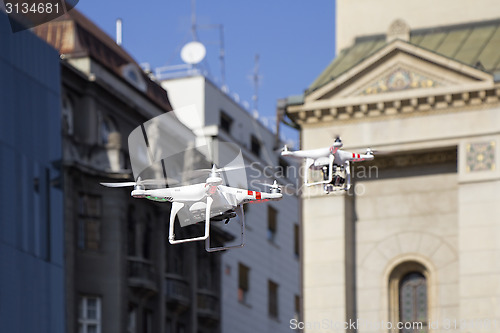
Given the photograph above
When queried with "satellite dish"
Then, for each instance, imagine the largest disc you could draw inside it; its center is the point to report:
(193, 52)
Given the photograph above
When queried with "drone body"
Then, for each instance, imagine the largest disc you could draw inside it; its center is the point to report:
(205, 202)
(333, 162)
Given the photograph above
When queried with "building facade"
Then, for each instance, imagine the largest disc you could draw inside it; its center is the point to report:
(415, 239)
(261, 281)
(31, 200)
(121, 273)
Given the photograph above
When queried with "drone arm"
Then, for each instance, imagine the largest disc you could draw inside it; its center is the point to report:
(348, 175)
(330, 168)
(176, 206)
(309, 163)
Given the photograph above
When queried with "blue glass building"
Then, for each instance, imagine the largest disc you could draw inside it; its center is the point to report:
(31, 200)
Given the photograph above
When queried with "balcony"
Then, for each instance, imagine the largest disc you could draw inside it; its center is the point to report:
(208, 307)
(141, 274)
(177, 292)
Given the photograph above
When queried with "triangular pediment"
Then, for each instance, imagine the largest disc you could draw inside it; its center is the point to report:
(397, 68)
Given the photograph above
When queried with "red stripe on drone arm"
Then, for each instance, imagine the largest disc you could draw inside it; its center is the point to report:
(258, 196)
(250, 192)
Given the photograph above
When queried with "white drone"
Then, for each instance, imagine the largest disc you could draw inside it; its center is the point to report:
(333, 163)
(208, 201)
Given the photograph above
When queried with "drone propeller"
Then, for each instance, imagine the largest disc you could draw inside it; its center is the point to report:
(379, 152)
(203, 172)
(281, 149)
(138, 182)
(274, 186)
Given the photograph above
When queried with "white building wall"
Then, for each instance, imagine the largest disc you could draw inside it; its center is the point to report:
(368, 17)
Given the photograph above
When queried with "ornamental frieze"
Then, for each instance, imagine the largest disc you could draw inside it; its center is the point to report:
(400, 79)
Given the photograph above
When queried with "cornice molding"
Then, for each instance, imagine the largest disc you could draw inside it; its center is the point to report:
(400, 104)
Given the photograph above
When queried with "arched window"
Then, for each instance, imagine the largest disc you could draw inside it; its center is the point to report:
(413, 302)
(107, 129)
(408, 297)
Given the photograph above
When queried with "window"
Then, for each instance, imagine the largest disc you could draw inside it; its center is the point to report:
(273, 299)
(207, 272)
(67, 115)
(283, 165)
(89, 222)
(109, 132)
(408, 301)
(296, 240)
(255, 145)
(297, 307)
(42, 202)
(413, 301)
(131, 231)
(225, 122)
(243, 283)
(271, 223)
(147, 238)
(175, 259)
(89, 320)
(168, 326)
(181, 328)
(132, 319)
(147, 321)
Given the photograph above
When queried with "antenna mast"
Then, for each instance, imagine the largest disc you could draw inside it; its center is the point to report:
(256, 79)
(193, 20)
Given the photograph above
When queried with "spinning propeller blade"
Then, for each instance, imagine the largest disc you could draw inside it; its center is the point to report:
(203, 172)
(124, 184)
(140, 182)
(274, 186)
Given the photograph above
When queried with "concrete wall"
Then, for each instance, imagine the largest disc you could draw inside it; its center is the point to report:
(442, 217)
(367, 17)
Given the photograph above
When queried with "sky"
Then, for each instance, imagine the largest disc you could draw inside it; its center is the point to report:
(295, 40)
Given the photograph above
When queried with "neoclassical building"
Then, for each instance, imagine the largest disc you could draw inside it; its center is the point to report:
(417, 237)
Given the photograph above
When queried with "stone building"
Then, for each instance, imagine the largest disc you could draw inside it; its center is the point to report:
(121, 273)
(416, 238)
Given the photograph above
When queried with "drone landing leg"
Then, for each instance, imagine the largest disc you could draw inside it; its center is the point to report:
(348, 175)
(176, 206)
(239, 212)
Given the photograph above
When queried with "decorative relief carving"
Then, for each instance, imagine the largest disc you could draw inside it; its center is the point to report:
(480, 156)
(400, 79)
(398, 29)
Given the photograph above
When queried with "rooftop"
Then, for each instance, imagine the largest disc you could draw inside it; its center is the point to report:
(74, 35)
(475, 44)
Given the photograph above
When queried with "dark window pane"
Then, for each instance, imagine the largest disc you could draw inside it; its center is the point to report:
(272, 215)
(255, 145)
(225, 122)
(89, 221)
(413, 301)
(273, 299)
